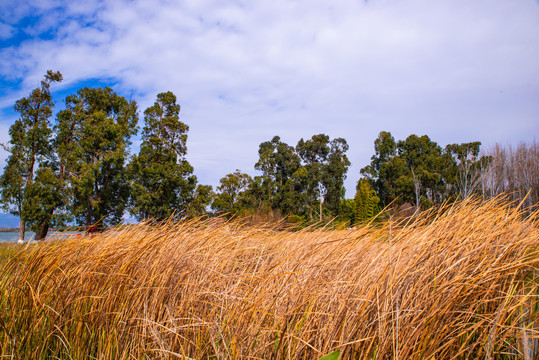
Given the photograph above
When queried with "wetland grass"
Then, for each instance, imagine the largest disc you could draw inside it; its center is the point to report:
(458, 283)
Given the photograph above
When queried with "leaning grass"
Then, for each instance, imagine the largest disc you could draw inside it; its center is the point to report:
(458, 283)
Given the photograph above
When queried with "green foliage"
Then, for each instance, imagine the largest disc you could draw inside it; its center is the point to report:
(296, 192)
(332, 356)
(163, 181)
(83, 169)
(233, 193)
(326, 164)
(418, 171)
(424, 159)
(278, 162)
(30, 148)
(200, 201)
(297, 219)
(348, 211)
(385, 169)
(93, 134)
(466, 167)
(46, 192)
(366, 202)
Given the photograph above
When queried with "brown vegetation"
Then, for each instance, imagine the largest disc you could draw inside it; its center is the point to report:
(458, 283)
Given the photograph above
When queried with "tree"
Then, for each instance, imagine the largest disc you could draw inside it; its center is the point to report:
(296, 193)
(383, 171)
(366, 201)
(163, 181)
(467, 166)
(415, 170)
(93, 134)
(47, 194)
(326, 164)
(334, 175)
(278, 161)
(513, 172)
(425, 162)
(200, 201)
(231, 196)
(30, 149)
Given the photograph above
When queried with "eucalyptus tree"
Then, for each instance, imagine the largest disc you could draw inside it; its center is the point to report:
(385, 169)
(201, 199)
(314, 153)
(27, 188)
(277, 161)
(233, 193)
(93, 135)
(424, 161)
(326, 164)
(467, 166)
(163, 183)
(334, 175)
(415, 170)
(295, 194)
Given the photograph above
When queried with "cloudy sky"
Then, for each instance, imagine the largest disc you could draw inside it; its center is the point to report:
(244, 71)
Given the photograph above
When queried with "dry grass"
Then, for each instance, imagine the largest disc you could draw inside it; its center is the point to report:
(459, 283)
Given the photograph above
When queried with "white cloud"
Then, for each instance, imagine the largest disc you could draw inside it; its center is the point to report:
(244, 71)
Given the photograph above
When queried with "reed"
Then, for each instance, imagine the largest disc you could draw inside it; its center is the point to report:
(458, 283)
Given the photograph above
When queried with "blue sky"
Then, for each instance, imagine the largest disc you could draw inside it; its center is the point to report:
(244, 71)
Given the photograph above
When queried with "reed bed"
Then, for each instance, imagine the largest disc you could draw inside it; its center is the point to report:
(458, 283)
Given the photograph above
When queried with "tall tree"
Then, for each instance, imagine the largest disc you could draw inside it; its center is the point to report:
(467, 166)
(384, 170)
(314, 154)
(413, 170)
(296, 193)
(326, 164)
(425, 163)
(93, 134)
(513, 171)
(278, 161)
(30, 148)
(163, 180)
(334, 175)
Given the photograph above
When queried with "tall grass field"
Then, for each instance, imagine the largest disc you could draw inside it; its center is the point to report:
(458, 283)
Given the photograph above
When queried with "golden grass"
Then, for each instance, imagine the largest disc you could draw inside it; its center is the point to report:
(459, 283)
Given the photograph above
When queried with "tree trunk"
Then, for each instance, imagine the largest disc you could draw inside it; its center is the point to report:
(42, 231)
(43, 228)
(320, 208)
(21, 231)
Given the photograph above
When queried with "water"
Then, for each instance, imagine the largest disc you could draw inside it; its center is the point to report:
(14, 236)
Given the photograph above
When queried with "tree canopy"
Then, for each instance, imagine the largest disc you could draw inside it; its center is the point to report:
(93, 135)
(162, 179)
(81, 169)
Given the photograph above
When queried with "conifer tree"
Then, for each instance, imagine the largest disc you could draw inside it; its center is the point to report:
(366, 201)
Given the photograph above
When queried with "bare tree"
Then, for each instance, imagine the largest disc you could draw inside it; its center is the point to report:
(514, 172)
